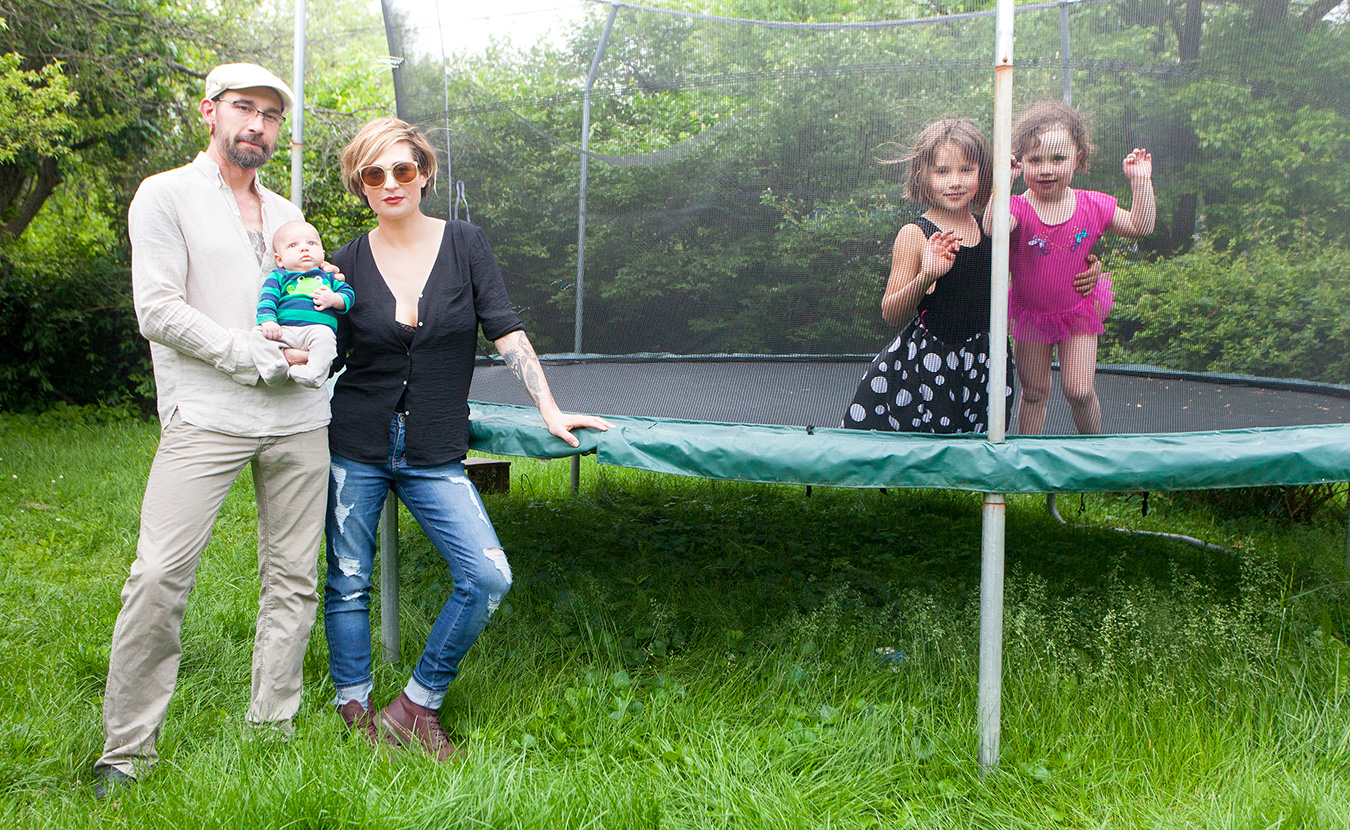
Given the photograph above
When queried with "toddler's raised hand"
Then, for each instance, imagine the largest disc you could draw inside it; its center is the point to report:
(939, 252)
(1138, 165)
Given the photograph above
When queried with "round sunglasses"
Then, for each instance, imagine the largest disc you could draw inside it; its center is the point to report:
(404, 172)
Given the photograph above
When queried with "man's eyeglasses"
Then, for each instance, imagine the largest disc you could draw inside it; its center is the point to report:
(272, 119)
(403, 172)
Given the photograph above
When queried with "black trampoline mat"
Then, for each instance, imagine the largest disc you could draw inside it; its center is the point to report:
(816, 393)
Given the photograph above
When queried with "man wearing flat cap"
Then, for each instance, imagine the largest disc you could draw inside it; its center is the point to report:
(201, 247)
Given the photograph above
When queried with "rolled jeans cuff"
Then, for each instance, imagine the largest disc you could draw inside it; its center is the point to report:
(423, 696)
(360, 692)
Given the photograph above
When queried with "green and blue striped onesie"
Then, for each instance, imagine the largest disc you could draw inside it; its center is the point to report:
(288, 298)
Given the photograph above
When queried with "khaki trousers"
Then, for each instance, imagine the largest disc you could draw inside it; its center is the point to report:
(189, 479)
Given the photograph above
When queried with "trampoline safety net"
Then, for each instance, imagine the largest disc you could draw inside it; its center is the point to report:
(737, 222)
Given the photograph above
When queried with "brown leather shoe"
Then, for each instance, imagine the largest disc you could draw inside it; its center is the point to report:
(360, 719)
(404, 723)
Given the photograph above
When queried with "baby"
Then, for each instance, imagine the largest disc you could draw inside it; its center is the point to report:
(300, 302)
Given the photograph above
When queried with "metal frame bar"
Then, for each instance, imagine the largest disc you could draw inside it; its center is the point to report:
(298, 113)
(990, 695)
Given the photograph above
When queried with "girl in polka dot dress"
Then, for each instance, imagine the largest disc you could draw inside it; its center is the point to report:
(934, 376)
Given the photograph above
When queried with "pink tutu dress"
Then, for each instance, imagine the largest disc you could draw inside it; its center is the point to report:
(1043, 307)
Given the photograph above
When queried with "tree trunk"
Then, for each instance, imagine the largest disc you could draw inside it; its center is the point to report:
(25, 196)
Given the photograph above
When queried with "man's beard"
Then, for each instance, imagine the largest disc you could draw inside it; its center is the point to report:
(246, 156)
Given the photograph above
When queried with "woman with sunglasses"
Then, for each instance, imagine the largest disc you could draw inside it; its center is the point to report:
(401, 421)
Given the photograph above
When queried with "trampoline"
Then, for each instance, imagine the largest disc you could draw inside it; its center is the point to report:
(707, 275)
(773, 420)
(814, 390)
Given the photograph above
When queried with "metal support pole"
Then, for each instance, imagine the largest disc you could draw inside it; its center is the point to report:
(999, 229)
(395, 41)
(1064, 52)
(389, 578)
(1347, 531)
(991, 628)
(990, 701)
(585, 164)
(452, 205)
(298, 114)
(576, 473)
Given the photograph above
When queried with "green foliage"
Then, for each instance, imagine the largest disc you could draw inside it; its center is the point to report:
(1286, 176)
(126, 78)
(34, 109)
(1292, 504)
(1266, 311)
(69, 332)
(121, 88)
(345, 85)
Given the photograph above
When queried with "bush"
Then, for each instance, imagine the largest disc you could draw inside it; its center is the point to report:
(71, 337)
(1268, 312)
(1288, 504)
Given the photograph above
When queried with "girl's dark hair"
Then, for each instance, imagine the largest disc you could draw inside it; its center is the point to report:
(1049, 115)
(922, 158)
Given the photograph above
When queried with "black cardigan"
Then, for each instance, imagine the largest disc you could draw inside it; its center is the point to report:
(465, 290)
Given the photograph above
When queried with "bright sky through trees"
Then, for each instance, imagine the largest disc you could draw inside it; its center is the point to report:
(468, 26)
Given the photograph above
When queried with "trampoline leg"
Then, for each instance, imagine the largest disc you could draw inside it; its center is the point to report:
(991, 627)
(576, 474)
(1053, 507)
(389, 579)
(1347, 531)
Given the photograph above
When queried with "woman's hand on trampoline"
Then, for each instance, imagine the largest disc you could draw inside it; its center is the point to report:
(1086, 281)
(516, 350)
(562, 423)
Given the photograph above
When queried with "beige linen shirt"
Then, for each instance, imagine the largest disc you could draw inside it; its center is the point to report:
(196, 280)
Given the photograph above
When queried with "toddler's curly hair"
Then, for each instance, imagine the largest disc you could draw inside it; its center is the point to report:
(1049, 115)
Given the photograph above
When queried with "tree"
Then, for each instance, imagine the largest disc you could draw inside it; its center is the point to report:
(34, 108)
(120, 65)
(96, 96)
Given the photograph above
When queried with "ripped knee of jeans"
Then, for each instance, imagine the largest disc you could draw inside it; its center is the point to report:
(498, 558)
(340, 510)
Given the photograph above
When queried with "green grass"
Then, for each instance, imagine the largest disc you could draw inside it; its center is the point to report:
(682, 653)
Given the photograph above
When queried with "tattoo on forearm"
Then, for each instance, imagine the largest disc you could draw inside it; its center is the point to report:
(525, 366)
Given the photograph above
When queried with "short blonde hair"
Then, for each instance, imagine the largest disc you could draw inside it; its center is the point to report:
(374, 138)
(960, 133)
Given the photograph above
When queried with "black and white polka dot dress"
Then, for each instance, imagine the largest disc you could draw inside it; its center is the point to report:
(933, 377)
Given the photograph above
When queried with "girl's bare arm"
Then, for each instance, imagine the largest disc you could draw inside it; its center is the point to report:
(916, 263)
(1138, 221)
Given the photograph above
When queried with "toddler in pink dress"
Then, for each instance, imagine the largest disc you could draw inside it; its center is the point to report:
(1043, 305)
(1054, 228)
